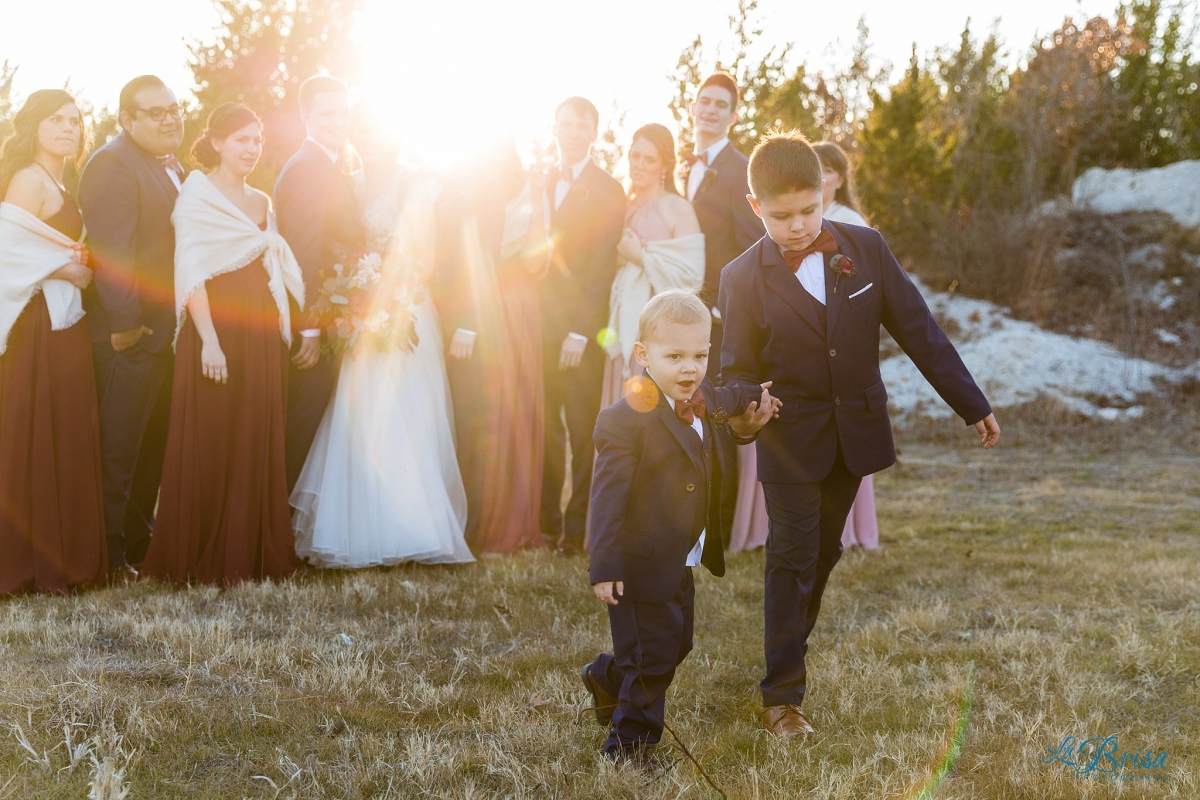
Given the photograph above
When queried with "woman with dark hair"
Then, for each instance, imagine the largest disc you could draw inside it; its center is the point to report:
(223, 514)
(841, 205)
(51, 506)
(662, 248)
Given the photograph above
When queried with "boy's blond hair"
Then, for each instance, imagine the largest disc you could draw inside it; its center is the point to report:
(679, 306)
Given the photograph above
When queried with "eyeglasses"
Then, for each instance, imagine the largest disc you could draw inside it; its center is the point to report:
(159, 114)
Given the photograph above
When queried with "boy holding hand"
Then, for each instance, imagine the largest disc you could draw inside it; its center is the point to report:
(656, 512)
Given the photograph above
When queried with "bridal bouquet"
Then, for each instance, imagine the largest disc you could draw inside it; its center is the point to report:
(364, 302)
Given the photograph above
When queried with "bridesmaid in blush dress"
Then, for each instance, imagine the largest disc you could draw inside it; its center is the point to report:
(223, 513)
(51, 510)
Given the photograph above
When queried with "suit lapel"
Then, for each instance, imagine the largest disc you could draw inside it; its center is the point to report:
(156, 169)
(782, 279)
(578, 192)
(834, 300)
(683, 434)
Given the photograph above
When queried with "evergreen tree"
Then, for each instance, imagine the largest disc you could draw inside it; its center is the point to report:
(7, 73)
(906, 160)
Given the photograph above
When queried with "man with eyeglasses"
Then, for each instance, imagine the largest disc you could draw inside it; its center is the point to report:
(127, 192)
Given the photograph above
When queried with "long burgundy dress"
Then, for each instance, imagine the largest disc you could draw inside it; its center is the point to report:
(223, 513)
(512, 378)
(51, 507)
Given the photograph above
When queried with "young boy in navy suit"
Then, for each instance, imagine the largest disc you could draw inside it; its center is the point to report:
(804, 305)
(656, 512)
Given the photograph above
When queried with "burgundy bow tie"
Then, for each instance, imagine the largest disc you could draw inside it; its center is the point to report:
(171, 163)
(824, 243)
(692, 158)
(688, 410)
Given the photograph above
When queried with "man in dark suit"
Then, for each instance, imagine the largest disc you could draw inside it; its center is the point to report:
(587, 219)
(127, 192)
(657, 511)
(318, 215)
(804, 306)
(715, 177)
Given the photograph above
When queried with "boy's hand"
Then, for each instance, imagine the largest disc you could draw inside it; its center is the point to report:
(609, 591)
(758, 414)
(989, 431)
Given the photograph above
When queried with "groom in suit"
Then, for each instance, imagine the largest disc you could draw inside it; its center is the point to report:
(318, 216)
(715, 177)
(587, 211)
(803, 306)
(127, 192)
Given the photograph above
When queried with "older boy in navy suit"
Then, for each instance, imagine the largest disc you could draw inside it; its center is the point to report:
(656, 512)
(804, 306)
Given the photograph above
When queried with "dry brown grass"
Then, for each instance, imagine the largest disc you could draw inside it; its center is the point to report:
(1062, 582)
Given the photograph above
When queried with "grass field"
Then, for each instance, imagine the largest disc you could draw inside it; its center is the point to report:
(1037, 592)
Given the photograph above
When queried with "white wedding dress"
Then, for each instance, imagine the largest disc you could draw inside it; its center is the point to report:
(381, 484)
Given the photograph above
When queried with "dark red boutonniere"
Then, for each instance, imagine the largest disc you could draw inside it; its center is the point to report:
(841, 265)
(718, 418)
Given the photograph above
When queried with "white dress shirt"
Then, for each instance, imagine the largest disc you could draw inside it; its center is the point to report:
(812, 275)
(561, 187)
(693, 558)
(700, 169)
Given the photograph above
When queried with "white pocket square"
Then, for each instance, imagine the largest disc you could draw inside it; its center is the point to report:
(860, 291)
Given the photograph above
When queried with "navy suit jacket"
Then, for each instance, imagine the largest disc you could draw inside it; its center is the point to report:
(585, 230)
(318, 216)
(652, 496)
(127, 198)
(828, 376)
(729, 224)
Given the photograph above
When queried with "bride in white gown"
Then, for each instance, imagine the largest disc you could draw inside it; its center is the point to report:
(381, 484)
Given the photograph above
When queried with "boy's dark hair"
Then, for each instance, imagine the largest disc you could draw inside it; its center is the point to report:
(319, 84)
(726, 82)
(783, 163)
(127, 102)
(581, 106)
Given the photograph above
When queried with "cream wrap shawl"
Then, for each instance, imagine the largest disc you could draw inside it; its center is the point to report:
(666, 264)
(213, 237)
(30, 252)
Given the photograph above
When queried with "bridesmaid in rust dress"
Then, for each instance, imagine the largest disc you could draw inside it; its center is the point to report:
(223, 513)
(51, 511)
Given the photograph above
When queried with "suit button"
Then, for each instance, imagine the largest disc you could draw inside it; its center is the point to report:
(837, 401)
(832, 353)
(691, 487)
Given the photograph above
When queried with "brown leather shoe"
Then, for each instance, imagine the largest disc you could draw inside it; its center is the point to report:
(603, 702)
(122, 575)
(786, 722)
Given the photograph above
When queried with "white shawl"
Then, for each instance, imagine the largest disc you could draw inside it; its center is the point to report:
(31, 251)
(213, 237)
(666, 264)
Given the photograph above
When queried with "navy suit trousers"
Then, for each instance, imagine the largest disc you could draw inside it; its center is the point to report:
(134, 392)
(309, 393)
(649, 641)
(804, 543)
